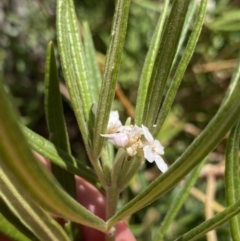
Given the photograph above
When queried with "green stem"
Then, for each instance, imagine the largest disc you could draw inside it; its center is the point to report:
(113, 191)
(112, 201)
(128, 171)
(118, 165)
(99, 172)
(106, 165)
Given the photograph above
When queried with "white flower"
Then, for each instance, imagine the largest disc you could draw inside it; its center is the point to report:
(134, 132)
(114, 134)
(153, 149)
(113, 123)
(118, 139)
(125, 136)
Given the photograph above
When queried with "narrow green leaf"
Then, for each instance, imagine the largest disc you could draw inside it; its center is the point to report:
(112, 66)
(55, 120)
(74, 67)
(225, 22)
(215, 131)
(178, 201)
(10, 225)
(232, 181)
(212, 223)
(153, 6)
(94, 74)
(53, 103)
(187, 25)
(78, 61)
(163, 62)
(148, 65)
(38, 221)
(181, 68)
(38, 182)
(73, 64)
(14, 230)
(58, 156)
(128, 170)
(73, 231)
(228, 27)
(234, 81)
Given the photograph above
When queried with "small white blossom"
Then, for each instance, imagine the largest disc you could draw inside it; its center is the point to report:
(114, 123)
(153, 149)
(114, 134)
(134, 132)
(130, 138)
(118, 139)
(135, 142)
(125, 136)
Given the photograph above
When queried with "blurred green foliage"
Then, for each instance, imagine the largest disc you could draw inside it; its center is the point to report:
(26, 28)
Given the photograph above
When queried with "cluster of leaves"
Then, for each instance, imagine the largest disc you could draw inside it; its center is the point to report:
(222, 30)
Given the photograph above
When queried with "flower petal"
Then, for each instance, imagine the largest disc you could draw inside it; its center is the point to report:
(158, 147)
(114, 116)
(147, 134)
(136, 131)
(162, 166)
(118, 139)
(121, 139)
(110, 137)
(113, 123)
(148, 154)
